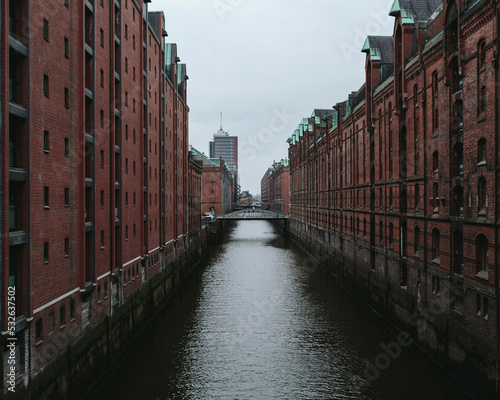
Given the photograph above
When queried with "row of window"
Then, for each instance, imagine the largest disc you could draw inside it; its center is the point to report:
(51, 325)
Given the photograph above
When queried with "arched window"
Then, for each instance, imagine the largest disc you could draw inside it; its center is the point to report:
(482, 256)
(435, 161)
(436, 246)
(364, 227)
(415, 96)
(481, 150)
(481, 56)
(417, 242)
(481, 194)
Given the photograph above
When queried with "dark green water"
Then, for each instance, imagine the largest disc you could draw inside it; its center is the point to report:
(261, 321)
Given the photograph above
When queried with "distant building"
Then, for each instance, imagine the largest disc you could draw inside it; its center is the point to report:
(217, 184)
(275, 187)
(225, 146)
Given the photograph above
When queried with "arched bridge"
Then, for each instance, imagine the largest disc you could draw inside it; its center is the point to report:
(257, 214)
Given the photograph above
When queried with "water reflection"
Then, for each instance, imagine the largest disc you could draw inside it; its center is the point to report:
(258, 322)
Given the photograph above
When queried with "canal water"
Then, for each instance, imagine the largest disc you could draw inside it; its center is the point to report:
(261, 321)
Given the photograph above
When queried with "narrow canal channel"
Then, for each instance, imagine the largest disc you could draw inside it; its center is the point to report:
(260, 321)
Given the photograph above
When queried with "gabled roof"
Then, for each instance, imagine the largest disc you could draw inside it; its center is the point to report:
(412, 11)
(380, 48)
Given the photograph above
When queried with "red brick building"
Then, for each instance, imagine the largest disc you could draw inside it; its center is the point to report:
(399, 182)
(264, 189)
(276, 185)
(97, 196)
(217, 184)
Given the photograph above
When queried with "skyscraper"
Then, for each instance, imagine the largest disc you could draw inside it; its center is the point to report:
(225, 146)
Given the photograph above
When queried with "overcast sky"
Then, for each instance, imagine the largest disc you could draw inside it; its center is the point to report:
(266, 64)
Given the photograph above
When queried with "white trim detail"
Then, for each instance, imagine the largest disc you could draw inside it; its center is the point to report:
(132, 261)
(152, 251)
(103, 276)
(37, 310)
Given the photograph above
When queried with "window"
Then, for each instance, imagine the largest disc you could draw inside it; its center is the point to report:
(45, 30)
(102, 38)
(435, 161)
(126, 65)
(126, 199)
(66, 47)
(62, 316)
(481, 195)
(415, 96)
(66, 147)
(482, 257)
(133, 168)
(133, 73)
(102, 158)
(66, 98)
(436, 250)
(126, 31)
(126, 132)
(126, 99)
(102, 238)
(133, 42)
(133, 198)
(126, 165)
(46, 252)
(481, 151)
(38, 330)
(102, 198)
(133, 105)
(417, 242)
(66, 197)
(46, 147)
(46, 196)
(45, 85)
(134, 231)
(102, 78)
(435, 193)
(482, 102)
(126, 232)
(482, 55)
(66, 247)
(71, 309)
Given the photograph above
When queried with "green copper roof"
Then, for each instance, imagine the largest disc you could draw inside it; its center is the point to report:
(406, 15)
(375, 54)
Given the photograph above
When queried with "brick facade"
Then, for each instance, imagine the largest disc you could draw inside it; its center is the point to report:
(401, 180)
(275, 188)
(97, 193)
